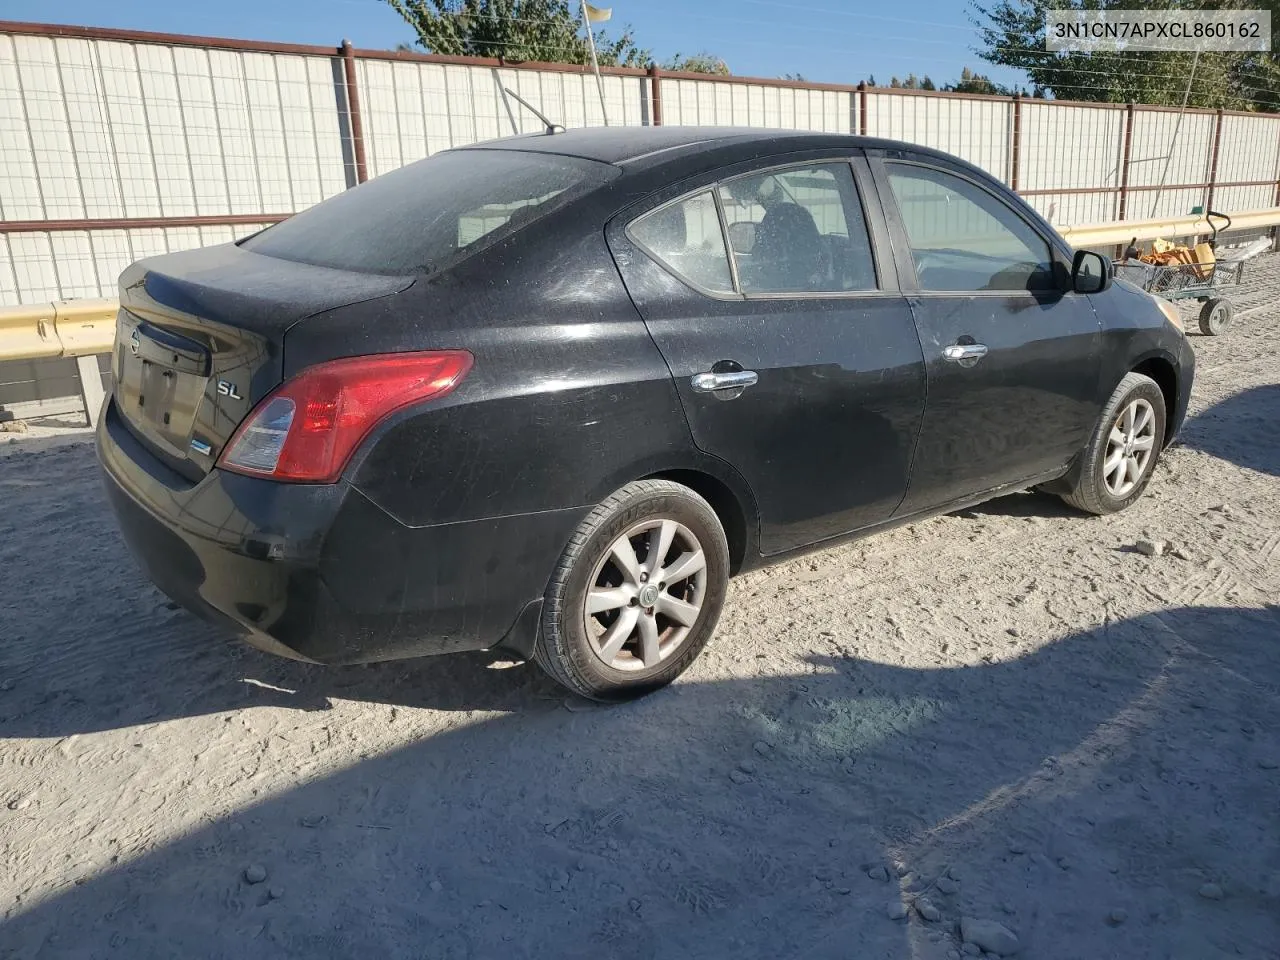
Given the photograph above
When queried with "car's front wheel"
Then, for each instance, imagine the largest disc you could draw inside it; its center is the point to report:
(637, 592)
(1121, 456)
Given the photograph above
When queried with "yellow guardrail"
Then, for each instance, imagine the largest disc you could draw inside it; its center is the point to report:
(74, 329)
(82, 328)
(68, 328)
(1104, 234)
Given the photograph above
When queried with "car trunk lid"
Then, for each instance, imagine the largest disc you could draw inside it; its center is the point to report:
(199, 341)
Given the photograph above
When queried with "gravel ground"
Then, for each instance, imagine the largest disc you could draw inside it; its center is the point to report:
(1006, 716)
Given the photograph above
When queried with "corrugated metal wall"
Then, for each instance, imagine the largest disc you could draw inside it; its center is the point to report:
(720, 103)
(104, 126)
(98, 129)
(1249, 150)
(37, 267)
(94, 128)
(1089, 142)
(1186, 155)
(413, 109)
(974, 130)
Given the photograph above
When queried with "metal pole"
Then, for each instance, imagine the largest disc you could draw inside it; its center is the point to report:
(591, 39)
(655, 95)
(1126, 154)
(353, 111)
(1213, 161)
(1015, 147)
(1195, 62)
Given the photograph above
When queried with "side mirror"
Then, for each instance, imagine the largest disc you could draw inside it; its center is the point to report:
(1090, 272)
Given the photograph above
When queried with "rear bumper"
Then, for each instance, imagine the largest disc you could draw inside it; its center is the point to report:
(319, 572)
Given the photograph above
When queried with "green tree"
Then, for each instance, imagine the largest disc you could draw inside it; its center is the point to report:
(698, 63)
(911, 83)
(980, 83)
(514, 30)
(1012, 35)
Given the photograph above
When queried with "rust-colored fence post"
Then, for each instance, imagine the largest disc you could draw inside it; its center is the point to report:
(1213, 161)
(655, 95)
(353, 111)
(862, 108)
(1275, 231)
(1126, 151)
(1015, 148)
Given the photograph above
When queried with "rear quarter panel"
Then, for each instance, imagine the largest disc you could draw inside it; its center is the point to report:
(568, 397)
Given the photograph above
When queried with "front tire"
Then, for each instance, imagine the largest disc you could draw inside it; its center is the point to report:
(637, 592)
(1121, 456)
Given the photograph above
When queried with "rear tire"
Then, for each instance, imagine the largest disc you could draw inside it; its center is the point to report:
(1215, 317)
(618, 620)
(1121, 456)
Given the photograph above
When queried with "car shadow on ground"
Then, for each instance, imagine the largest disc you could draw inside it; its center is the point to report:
(1244, 429)
(620, 832)
(1025, 504)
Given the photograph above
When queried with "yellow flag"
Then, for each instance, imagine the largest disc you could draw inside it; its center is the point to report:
(597, 14)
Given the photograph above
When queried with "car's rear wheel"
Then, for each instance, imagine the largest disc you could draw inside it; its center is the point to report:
(637, 592)
(1122, 453)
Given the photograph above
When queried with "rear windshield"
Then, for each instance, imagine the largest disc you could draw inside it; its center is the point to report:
(430, 214)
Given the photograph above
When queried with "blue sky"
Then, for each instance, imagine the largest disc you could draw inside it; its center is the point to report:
(837, 41)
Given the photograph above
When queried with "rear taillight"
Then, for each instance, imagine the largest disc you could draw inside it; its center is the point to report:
(306, 430)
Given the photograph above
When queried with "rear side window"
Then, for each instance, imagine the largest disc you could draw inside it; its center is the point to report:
(798, 230)
(964, 238)
(685, 237)
(431, 214)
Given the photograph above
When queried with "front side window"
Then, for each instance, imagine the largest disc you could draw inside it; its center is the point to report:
(685, 237)
(964, 238)
(798, 230)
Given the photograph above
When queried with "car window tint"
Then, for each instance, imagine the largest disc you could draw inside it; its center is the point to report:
(431, 214)
(798, 230)
(686, 237)
(964, 238)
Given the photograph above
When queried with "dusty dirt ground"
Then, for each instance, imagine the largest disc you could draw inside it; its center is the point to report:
(1007, 715)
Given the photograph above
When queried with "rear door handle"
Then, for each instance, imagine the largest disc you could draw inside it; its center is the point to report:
(958, 352)
(732, 380)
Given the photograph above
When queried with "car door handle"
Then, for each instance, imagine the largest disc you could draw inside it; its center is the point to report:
(964, 351)
(732, 380)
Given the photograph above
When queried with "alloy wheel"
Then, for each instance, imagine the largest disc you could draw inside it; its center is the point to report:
(645, 594)
(1130, 448)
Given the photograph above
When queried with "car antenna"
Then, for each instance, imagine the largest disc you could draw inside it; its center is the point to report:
(551, 127)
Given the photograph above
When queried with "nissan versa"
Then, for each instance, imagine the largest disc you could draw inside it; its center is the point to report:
(549, 393)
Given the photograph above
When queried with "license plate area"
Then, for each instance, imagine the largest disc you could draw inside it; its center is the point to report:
(163, 376)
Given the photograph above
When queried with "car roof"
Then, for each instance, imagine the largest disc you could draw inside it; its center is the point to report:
(635, 147)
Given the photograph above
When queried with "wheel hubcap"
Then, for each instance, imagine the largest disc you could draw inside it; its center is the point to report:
(1130, 447)
(645, 595)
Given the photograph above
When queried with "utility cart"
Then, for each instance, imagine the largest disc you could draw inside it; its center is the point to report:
(1204, 282)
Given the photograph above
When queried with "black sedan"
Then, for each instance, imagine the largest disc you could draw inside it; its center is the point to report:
(547, 394)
